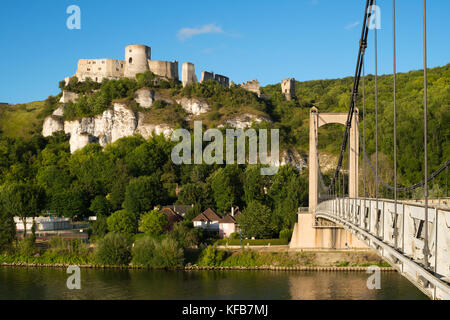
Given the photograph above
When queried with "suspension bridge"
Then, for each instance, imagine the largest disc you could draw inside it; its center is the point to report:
(412, 237)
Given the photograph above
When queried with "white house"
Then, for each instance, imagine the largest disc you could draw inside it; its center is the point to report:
(228, 224)
(208, 220)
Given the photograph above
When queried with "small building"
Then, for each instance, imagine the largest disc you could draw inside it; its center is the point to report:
(43, 223)
(180, 209)
(172, 216)
(228, 224)
(208, 220)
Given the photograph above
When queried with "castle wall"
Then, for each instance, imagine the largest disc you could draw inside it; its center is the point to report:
(206, 76)
(225, 81)
(252, 86)
(165, 69)
(136, 59)
(98, 69)
(188, 74)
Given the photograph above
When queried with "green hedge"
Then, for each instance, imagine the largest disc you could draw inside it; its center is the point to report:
(256, 242)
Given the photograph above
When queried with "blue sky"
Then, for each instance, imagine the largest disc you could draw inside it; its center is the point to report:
(266, 40)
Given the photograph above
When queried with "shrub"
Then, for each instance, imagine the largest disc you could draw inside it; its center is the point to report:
(286, 234)
(61, 246)
(143, 251)
(26, 247)
(168, 253)
(159, 104)
(185, 236)
(234, 235)
(149, 252)
(113, 249)
(212, 257)
(99, 227)
(122, 221)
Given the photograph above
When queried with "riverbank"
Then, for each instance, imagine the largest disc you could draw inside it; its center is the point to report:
(214, 259)
(195, 267)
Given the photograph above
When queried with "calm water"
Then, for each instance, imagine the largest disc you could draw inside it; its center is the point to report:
(49, 283)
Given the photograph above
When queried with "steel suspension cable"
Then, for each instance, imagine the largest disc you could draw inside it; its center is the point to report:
(376, 105)
(362, 47)
(395, 120)
(425, 129)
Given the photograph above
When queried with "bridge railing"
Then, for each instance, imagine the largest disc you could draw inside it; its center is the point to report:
(402, 229)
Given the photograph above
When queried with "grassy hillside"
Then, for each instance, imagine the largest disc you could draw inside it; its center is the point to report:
(21, 120)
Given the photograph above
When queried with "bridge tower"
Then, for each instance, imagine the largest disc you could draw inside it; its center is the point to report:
(317, 120)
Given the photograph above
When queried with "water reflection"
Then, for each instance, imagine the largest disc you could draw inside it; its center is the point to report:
(50, 283)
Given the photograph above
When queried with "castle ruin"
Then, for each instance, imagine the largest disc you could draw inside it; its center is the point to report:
(188, 74)
(288, 88)
(252, 86)
(137, 60)
(225, 81)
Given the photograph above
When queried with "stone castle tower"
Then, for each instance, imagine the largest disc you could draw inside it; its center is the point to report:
(136, 59)
(288, 88)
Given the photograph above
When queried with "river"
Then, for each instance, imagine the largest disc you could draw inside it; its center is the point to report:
(50, 283)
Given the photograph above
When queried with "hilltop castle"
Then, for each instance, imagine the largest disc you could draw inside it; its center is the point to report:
(138, 60)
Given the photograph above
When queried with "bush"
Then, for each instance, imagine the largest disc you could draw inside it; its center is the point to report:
(212, 257)
(185, 236)
(286, 234)
(234, 235)
(149, 252)
(61, 246)
(113, 249)
(159, 104)
(122, 221)
(99, 227)
(26, 247)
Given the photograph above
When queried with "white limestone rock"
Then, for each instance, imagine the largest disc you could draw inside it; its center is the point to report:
(147, 129)
(293, 158)
(194, 106)
(145, 97)
(68, 96)
(244, 121)
(51, 125)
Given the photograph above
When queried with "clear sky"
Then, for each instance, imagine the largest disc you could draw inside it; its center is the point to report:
(267, 40)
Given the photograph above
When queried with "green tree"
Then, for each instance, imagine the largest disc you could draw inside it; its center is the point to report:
(153, 222)
(143, 193)
(122, 221)
(255, 221)
(7, 230)
(23, 200)
(100, 206)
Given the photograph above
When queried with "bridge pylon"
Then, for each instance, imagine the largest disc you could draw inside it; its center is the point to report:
(317, 120)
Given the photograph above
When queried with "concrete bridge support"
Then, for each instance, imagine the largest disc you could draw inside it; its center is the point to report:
(317, 120)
